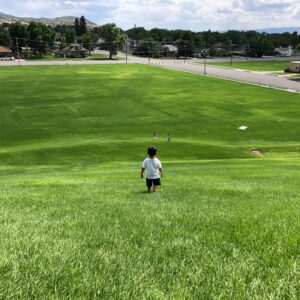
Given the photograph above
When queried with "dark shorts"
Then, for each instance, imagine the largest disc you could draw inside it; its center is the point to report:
(150, 182)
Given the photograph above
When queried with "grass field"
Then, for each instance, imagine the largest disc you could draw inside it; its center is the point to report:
(262, 66)
(75, 221)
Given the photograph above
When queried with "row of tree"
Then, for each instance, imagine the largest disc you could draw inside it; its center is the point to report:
(251, 43)
(41, 38)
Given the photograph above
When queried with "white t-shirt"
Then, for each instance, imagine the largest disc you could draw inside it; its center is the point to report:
(152, 167)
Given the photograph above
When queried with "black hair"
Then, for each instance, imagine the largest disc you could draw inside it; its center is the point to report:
(152, 150)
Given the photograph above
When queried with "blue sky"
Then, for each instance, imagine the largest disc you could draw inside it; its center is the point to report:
(186, 14)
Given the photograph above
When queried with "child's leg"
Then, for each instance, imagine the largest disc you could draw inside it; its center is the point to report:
(156, 184)
(148, 184)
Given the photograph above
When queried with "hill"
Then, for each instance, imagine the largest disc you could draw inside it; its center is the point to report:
(216, 135)
(279, 29)
(75, 220)
(68, 20)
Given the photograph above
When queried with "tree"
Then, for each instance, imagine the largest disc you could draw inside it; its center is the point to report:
(146, 48)
(137, 33)
(260, 46)
(40, 35)
(88, 40)
(295, 39)
(40, 46)
(113, 38)
(209, 38)
(17, 31)
(237, 37)
(185, 47)
(70, 36)
(4, 35)
(82, 26)
(161, 35)
(212, 51)
(77, 27)
(228, 47)
(63, 42)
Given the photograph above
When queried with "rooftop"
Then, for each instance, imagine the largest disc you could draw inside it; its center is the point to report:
(4, 50)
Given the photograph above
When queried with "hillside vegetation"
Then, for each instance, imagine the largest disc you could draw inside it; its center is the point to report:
(67, 20)
(76, 222)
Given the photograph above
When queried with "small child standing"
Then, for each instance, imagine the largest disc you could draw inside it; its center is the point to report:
(153, 168)
(169, 137)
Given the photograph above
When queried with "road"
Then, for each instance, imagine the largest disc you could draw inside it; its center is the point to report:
(267, 80)
(192, 66)
(257, 78)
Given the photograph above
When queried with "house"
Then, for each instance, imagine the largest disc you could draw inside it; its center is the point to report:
(74, 50)
(200, 52)
(294, 66)
(284, 51)
(5, 53)
(57, 40)
(169, 50)
(26, 52)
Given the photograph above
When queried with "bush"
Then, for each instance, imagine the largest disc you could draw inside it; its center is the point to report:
(157, 55)
(286, 70)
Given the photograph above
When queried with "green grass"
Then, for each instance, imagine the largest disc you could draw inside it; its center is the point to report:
(291, 75)
(263, 66)
(75, 221)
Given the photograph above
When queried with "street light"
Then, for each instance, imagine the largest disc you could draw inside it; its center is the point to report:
(205, 53)
(126, 52)
(149, 54)
(18, 53)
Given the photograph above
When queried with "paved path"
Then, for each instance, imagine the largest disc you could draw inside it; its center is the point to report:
(58, 62)
(257, 78)
(193, 66)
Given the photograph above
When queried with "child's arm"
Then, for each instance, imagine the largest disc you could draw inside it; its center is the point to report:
(161, 172)
(142, 172)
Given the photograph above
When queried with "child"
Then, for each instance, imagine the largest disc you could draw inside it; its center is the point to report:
(153, 168)
(169, 137)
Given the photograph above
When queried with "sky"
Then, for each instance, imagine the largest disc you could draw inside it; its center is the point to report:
(197, 15)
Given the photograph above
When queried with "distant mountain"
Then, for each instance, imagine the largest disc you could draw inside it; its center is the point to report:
(68, 20)
(279, 30)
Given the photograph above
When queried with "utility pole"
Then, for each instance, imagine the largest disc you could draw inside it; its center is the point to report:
(205, 52)
(149, 54)
(126, 52)
(18, 50)
(184, 53)
(231, 59)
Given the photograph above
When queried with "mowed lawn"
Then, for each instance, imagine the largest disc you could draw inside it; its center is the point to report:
(261, 66)
(75, 221)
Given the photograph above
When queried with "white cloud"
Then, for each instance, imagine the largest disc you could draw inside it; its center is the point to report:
(187, 14)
